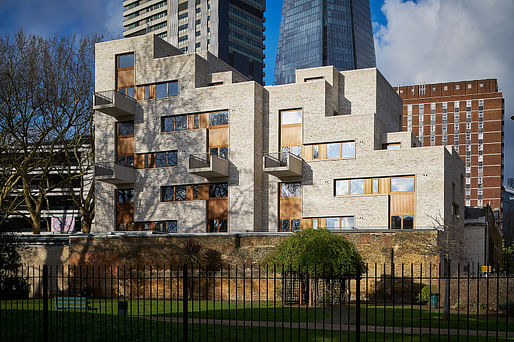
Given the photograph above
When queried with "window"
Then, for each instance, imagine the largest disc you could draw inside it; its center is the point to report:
(375, 185)
(218, 190)
(126, 128)
(218, 119)
(163, 159)
(315, 152)
(289, 117)
(218, 226)
(290, 189)
(125, 195)
(341, 150)
(174, 123)
(392, 146)
(126, 61)
(402, 222)
(166, 89)
(357, 187)
(290, 225)
(400, 184)
(173, 193)
(221, 152)
(333, 223)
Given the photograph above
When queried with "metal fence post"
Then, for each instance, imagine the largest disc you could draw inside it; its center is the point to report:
(185, 297)
(358, 305)
(45, 303)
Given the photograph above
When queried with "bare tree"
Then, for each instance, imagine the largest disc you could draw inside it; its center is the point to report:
(449, 246)
(45, 108)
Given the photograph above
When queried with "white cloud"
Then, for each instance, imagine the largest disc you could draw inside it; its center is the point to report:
(451, 40)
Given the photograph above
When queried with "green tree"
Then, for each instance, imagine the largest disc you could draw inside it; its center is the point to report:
(317, 251)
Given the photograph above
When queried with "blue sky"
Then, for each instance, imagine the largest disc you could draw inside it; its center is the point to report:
(422, 41)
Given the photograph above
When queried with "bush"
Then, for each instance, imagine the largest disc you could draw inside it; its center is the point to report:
(424, 296)
(317, 251)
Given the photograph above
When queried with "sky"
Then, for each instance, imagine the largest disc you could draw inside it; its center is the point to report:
(422, 41)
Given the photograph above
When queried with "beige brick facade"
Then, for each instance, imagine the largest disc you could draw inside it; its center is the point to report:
(358, 108)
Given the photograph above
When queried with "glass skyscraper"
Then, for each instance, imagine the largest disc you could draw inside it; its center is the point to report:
(323, 32)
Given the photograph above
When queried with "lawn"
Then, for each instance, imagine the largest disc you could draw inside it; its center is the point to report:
(22, 321)
(88, 326)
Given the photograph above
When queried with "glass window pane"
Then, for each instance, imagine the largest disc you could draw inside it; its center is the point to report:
(196, 121)
(172, 158)
(160, 90)
(347, 222)
(173, 88)
(126, 61)
(283, 155)
(295, 224)
(213, 150)
(349, 149)
(332, 222)
(222, 226)
(290, 190)
(218, 190)
(342, 187)
(195, 191)
(130, 92)
(126, 196)
(160, 159)
(147, 160)
(315, 152)
(168, 124)
(402, 184)
(160, 226)
(396, 222)
(284, 225)
(393, 146)
(167, 193)
(408, 222)
(180, 193)
(375, 185)
(213, 226)
(180, 123)
(296, 150)
(291, 117)
(223, 152)
(334, 151)
(129, 161)
(217, 119)
(172, 226)
(356, 186)
(147, 92)
(315, 223)
(126, 128)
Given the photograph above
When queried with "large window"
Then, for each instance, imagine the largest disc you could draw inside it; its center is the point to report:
(402, 222)
(333, 223)
(350, 187)
(289, 225)
(289, 117)
(166, 89)
(336, 150)
(170, 226)
(125, 195)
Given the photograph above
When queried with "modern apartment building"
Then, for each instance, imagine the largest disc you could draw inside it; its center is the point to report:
(323, 32)
(468, 116)
(202, 149)
(232, 30)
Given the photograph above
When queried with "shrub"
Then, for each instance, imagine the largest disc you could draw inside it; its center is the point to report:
(507, 308)
(424, 296)
(317, 251)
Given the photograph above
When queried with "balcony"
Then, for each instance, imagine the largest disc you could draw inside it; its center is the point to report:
(282, 164)
(114, 104)
(115, 174)
(208, 165)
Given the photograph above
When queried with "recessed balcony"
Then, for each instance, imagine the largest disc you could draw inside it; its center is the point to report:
(282, 164)
(115, 173)
(114, 104)
(208, 165)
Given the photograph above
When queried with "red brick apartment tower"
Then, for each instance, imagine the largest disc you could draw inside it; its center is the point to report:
(467, 115)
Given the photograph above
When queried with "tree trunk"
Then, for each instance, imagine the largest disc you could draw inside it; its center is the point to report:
(446, 308)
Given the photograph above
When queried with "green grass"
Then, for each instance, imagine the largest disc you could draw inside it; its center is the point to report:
(424, 317)
(88, 326)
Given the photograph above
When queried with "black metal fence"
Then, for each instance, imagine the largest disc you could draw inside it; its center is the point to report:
(255, 303)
